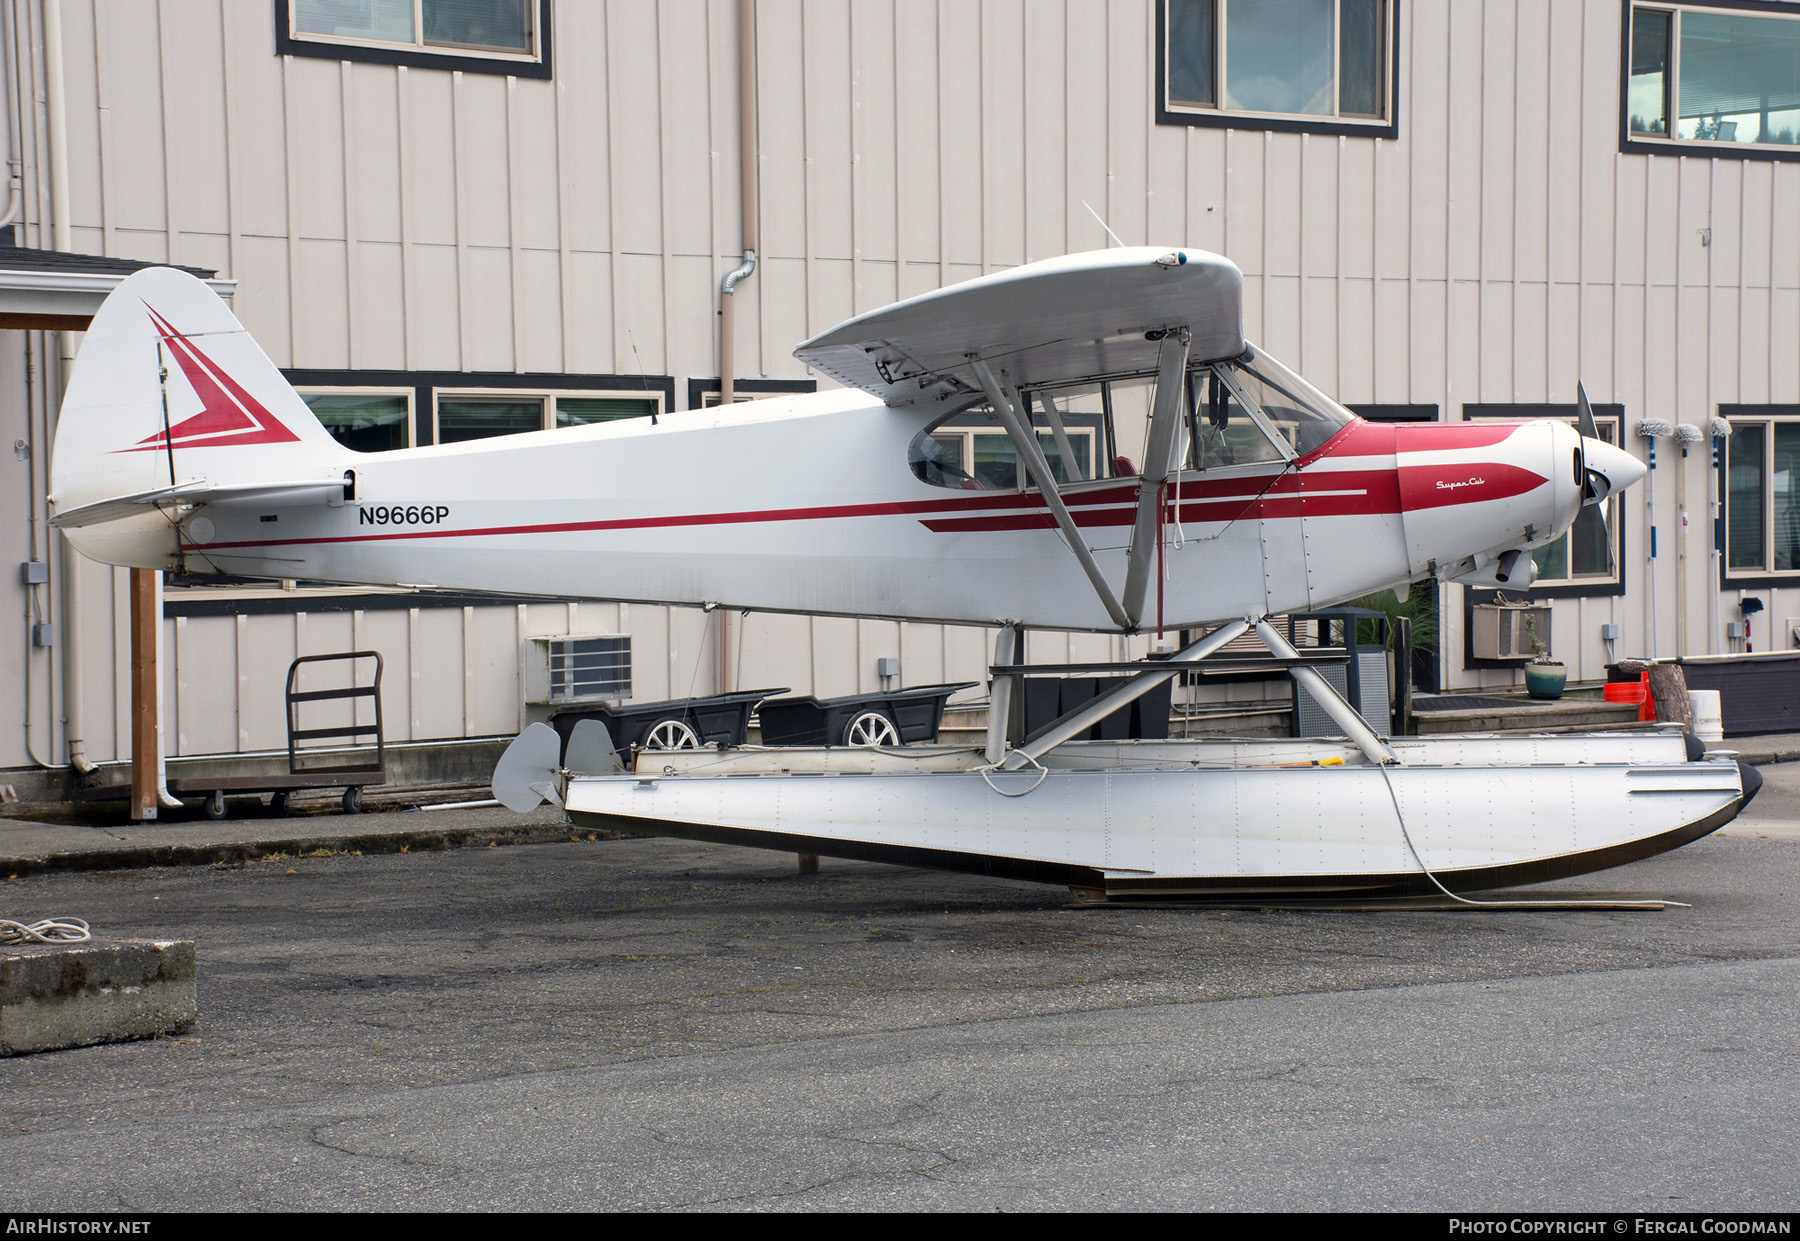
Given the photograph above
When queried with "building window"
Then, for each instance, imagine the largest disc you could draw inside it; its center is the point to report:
(1580, 562)
(360, 408)
(1318, 66)
(1762, 502)
(704, 393)
(479, 415)
(364, 419)
(1721, 77)
(479, 36)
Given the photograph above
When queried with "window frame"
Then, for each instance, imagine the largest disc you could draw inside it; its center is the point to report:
(1741, 418)
(424, 385)
(1571, 588)
(704, 393)
(408, 393)
(549, 397)
(1641, 144)
(533, 64)
(1221, 117)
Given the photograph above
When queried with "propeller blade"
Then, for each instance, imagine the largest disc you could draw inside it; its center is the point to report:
(1595, 485)
(528, 764)
(591, 751)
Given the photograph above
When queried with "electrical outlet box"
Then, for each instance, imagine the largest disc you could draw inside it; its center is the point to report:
(1734, 629)
(1609, 633)
(34, 572)
(43, 635)
(887, 666)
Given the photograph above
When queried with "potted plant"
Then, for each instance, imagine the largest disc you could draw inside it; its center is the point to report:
(1544, 677)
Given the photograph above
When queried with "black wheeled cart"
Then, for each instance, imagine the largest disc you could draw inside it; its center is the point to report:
(678, 724)
(365, 768)
(889, 717)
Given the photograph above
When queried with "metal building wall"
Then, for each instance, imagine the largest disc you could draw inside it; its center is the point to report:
(414, 218)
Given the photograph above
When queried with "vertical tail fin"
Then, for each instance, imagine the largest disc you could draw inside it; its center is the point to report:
(171, 400)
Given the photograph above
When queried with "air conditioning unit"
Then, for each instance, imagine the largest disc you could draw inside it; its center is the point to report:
(1505, 630)
(576, 667)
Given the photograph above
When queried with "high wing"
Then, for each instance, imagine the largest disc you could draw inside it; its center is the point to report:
(1059, 319)
(1107, 312)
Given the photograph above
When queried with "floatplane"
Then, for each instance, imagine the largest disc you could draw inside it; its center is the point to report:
(1085, 444)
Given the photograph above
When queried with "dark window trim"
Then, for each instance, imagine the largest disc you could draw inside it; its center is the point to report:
(1223, 119)
(322, 48)
(1765, 580)
(1576, 590)
(1395, 413)
(424, 383)
(1678, 146)
(698, 388)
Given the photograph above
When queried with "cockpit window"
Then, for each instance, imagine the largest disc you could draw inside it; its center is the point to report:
(1245, 411)
(972, 451)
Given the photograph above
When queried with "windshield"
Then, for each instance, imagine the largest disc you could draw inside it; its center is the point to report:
(1249, 410)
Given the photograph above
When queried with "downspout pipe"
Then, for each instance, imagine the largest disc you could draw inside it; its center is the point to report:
(62, 239)
(747, 218)
(747, 158)
(13, 131)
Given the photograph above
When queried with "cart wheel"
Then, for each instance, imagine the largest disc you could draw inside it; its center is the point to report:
(278, 804)
(871, 728)
(670, 734)
(215, 804)
(353, 799)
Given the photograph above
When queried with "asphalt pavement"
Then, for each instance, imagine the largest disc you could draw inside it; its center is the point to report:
(659, 1024)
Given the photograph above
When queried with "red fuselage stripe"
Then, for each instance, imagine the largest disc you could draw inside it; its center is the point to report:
(1337, 493)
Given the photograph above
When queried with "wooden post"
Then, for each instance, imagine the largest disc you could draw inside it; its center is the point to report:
(143, 693)
(1668, 690)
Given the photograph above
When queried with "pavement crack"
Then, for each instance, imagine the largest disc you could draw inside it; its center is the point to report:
(315, 1137)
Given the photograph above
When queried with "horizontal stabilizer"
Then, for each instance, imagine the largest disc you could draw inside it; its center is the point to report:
(202, 491)
(1099, 313)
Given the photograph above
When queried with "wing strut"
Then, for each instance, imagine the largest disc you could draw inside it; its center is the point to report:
(1159, 453)
(1080, 721)
(1330, 701)
(1031, 454)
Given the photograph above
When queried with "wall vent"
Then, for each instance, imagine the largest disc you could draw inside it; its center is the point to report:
(577, 667)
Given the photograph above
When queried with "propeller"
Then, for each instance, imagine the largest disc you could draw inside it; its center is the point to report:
(527, 774)
(1605, 469)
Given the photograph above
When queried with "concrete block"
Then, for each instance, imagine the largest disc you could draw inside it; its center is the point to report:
(62, 995)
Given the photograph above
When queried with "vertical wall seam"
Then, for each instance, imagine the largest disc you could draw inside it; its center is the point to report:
(233, 205)
(460, 210)
(662, 193)
(172, 238)
(856, 181)
(402, 127)
(515, 249)
(102, 58)
(807, 156)
(611, 240)
(291, 226)
(564, 316)
(347, 135)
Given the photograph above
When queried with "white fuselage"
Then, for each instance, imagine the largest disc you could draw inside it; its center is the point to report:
(808, 504)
